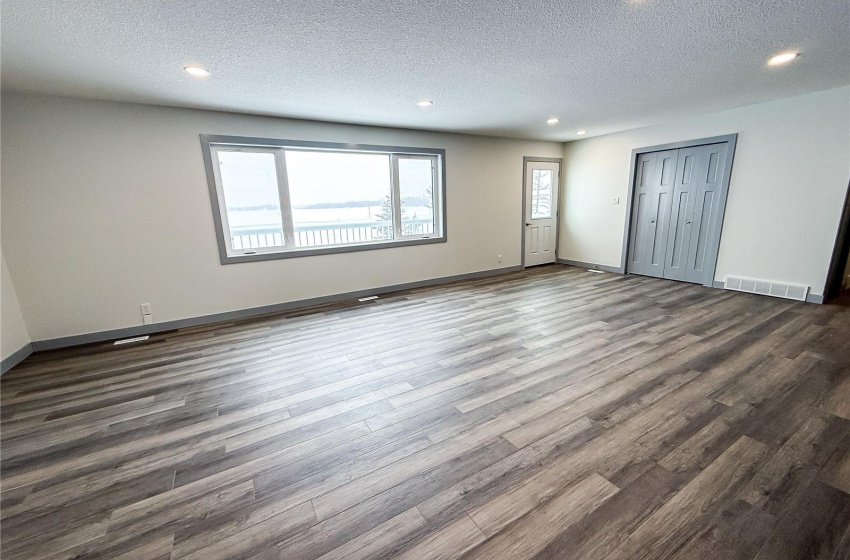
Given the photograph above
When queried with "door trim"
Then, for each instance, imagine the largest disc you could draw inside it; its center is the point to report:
(835, 275)
(525, 161)
(732, 140)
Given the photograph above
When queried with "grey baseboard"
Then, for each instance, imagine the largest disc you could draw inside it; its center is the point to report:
(127, 332)
(16, 357)
(592, 266)
(814, 298)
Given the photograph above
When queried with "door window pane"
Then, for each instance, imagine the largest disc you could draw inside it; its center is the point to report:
(416, 191)
(339, 198)
(249, 185)
(541, 194)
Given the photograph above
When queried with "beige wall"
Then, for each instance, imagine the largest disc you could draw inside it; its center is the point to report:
(105, 206)
(789, 178)
(13, 331)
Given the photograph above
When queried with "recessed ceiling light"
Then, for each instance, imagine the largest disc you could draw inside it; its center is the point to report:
(197, 71)
(553, 120)
(782, 58)
(424, 103)
(581, 132)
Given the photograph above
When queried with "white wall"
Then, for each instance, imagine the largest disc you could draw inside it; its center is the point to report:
(789, 178)
(13, 331)
(105, 206)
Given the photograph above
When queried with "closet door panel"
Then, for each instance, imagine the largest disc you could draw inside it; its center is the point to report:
(706, 216)
(658, 225)
(678, 242)
(644, 178)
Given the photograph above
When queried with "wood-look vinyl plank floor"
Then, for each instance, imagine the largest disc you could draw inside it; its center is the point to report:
(547, 414)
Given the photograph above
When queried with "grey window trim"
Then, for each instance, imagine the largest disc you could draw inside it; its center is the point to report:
(440, 236)
(395, 197)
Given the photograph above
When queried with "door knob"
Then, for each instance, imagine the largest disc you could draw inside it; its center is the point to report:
(652, 221)
(528, 223)
(688, 222)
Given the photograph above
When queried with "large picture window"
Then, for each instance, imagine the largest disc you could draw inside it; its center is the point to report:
(279, 199)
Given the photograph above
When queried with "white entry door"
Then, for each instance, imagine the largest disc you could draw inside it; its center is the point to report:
(541, 211)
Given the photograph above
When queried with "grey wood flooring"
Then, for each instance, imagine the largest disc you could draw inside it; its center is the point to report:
(547, 414)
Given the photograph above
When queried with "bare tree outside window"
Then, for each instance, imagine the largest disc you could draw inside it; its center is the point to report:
(541, 194)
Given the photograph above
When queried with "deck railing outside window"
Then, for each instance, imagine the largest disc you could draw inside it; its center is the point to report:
(323, 235)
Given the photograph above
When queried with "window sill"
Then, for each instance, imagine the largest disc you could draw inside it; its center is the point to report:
(332, 250)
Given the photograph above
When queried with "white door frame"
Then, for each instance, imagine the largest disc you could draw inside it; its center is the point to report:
(525, 162)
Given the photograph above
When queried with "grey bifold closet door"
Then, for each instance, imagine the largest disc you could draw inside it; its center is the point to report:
(651, 219)
(676, 213)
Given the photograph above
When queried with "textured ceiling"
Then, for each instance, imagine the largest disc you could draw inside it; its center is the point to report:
(498, 67)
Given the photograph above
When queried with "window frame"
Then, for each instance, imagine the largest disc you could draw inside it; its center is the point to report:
(396, 189)
(211, 144)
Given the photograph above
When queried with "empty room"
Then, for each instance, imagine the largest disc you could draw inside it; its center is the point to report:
(291, 280)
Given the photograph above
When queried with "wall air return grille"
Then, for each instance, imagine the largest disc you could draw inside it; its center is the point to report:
(766, 287)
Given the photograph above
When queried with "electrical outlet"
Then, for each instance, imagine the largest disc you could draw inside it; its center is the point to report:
(615, 200)
(147, 313)
(498, 258)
